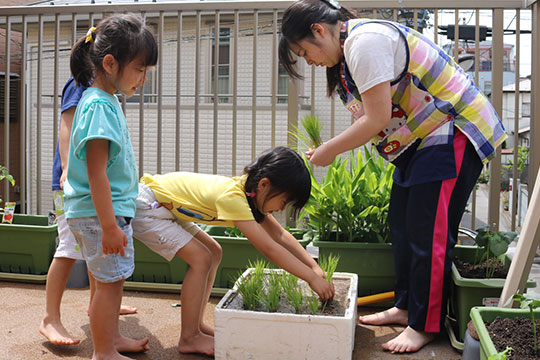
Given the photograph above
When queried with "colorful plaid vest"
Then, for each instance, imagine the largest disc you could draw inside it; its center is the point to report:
(432, 95)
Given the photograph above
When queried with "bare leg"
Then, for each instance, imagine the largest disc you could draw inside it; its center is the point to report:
(104, 312)
(51, 326)
(409, 340)
(216, 251)
(390, 316)
(124, 309)
(199, 258)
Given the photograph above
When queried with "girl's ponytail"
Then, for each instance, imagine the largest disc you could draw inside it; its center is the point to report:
(80, 63)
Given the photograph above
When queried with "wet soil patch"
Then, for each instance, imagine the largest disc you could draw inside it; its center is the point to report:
(516, 333)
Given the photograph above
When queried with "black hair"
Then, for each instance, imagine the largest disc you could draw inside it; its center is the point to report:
(296, 25)
(287, 173)
(124, 36)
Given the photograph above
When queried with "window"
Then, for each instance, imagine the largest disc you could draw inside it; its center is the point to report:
(13, 95)
(525, 109)
(224, 64)
(283, 85)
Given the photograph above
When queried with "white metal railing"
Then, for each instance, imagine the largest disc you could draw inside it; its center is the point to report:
(176, 123)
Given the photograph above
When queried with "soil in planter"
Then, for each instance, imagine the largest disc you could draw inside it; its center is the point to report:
(471, 271)
(516, 333)
(334, 307)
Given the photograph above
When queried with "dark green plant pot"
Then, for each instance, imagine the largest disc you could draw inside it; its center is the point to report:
(466, 293)
(27, 246)
(237, 252)
(151, 267)
(372, 262)
(480, 315)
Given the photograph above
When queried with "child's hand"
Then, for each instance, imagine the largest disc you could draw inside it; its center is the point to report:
(320, 156)
(114, 240)
(323, 288)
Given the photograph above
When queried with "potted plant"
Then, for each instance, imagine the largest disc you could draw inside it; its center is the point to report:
(508, 332)
(246, 327)
(347, 212)
(27, 244)
(477, 279)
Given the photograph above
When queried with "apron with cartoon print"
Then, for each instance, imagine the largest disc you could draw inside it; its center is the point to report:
(431, 96)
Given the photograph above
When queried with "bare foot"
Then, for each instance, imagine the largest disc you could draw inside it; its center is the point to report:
(200, 344)
(115, 356)
(127, 310)
(56, 333)
(390, 316)
(124, 310)
(207, 329)
(408, 341)
(124, 344)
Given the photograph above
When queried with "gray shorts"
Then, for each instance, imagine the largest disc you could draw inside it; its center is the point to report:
(105, 268)
(158, 228)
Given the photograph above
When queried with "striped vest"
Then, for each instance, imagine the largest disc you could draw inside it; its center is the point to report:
(431, 96)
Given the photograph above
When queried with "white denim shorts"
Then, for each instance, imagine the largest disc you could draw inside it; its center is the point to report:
(106, 268)
(158, 228)
(67, 245)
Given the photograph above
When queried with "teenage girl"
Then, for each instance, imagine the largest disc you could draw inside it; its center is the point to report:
(424, 114)
(169, 204)
(102, 176)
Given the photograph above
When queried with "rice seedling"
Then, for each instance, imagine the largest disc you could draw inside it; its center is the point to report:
(328, 264)
(271, 296)
(312, 136)
(313, 302)
(293, 291)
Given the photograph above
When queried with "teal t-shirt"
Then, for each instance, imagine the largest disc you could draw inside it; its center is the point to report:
(99, 116)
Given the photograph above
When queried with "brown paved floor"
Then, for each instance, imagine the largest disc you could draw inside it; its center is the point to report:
(22, 306)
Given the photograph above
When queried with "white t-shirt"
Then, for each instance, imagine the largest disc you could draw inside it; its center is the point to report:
(374, 53)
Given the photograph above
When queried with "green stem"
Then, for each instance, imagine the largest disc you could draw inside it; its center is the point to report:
(534, 329)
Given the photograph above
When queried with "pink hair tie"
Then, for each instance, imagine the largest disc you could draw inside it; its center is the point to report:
(251, 194)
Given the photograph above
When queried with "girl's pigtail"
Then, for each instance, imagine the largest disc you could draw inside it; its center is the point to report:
(80, 63)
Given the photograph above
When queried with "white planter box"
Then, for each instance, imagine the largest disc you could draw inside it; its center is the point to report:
(242, 334)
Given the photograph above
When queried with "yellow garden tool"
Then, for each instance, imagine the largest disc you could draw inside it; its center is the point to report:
(365, 300)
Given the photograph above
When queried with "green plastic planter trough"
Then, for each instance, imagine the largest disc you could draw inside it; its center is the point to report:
(467, 293)
(372, 262)
(26, 247)
(480, 315)
(152, 272)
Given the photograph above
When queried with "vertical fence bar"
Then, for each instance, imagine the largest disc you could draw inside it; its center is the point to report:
(215, 90)
(235, 91)
(436, 26)
(141, 119)
(476, 80)
(38, 114)
(160, 91)
(534, 163)
(73, 29)
(6, 105)
(415, 19)
(55, 81)
(22, 95)
(517, 99)
(197, 91)
(178, 90)
(254, 87)
(274, 74)
(456, 36)
(312, 93)
(496, 99)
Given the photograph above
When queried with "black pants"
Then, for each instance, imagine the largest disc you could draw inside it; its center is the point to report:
(424, 221)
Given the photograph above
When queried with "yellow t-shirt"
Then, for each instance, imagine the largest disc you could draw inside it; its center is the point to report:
(204, 198)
